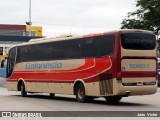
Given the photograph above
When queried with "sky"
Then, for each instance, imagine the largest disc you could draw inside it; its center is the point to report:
(67, 16)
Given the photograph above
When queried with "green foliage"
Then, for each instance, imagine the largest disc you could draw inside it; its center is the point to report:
(147, 16)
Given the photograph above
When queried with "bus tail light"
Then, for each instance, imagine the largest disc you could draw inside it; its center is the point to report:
(119, 76)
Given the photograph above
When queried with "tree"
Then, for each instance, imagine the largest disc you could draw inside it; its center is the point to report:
(147, 16)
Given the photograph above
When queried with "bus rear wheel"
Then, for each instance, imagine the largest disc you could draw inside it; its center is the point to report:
(80, 93)
(23, 91)
(113, 99)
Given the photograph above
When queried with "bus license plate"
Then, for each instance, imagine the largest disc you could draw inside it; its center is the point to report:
(140, 84)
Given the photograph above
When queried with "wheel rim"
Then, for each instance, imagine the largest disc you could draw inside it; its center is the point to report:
(80, 93)
(22, 89)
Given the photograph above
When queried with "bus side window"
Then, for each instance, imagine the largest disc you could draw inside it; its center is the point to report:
(87, 47)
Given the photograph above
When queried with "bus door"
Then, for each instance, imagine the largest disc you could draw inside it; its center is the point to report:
(11, 61)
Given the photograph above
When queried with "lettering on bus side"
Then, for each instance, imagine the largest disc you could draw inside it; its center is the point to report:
(133, 40)
(139, 65)
(55, 65)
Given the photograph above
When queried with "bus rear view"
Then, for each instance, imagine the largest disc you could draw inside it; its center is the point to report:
(138, 62)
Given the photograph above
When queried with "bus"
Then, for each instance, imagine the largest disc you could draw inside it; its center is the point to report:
(112, 65)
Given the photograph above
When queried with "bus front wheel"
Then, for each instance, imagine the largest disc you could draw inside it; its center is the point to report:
(23, 91)
(113, 99)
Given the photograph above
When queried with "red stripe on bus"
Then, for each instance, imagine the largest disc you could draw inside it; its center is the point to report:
(101, 65)
(94, 79)
(45, 81)
(138, 74)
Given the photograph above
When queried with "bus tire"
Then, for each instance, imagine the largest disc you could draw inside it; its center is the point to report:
(113, 99)
(80, 93)
(23, 91)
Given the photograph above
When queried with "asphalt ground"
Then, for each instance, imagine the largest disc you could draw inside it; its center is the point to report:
(12, 101)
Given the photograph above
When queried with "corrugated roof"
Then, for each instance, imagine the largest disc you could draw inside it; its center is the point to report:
(12, 27)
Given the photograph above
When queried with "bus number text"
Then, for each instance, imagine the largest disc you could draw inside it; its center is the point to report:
(139, 65)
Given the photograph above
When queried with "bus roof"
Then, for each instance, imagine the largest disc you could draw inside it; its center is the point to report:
(70, 36)
(136, 31)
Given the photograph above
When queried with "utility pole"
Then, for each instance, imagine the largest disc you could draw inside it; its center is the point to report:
(30, 22)
(30, 29)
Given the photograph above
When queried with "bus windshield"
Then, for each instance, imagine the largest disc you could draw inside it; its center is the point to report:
(138, 41)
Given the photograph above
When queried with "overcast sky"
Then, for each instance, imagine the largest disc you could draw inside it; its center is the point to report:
(65, 16)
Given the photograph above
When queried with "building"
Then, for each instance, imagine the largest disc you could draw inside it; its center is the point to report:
(11, 35)
(20, 30)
